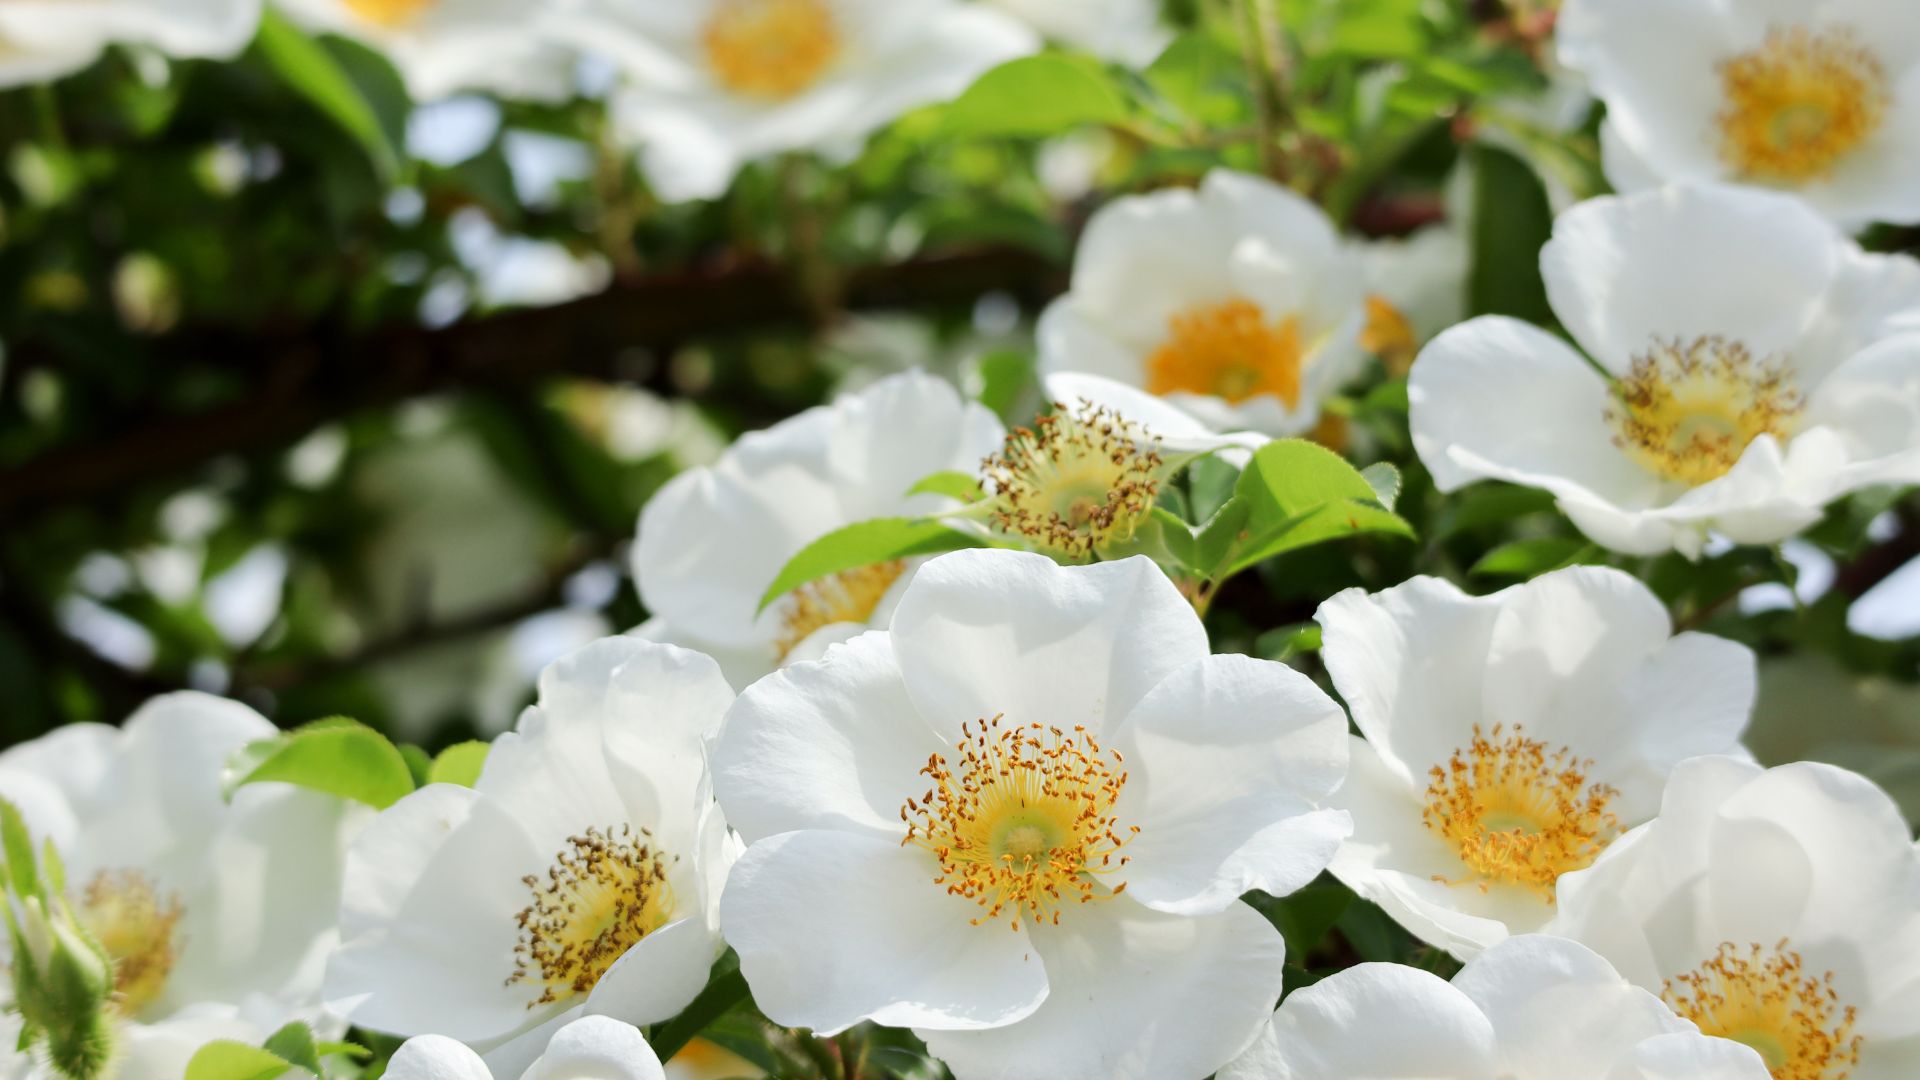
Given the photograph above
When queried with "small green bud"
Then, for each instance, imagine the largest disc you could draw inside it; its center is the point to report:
(63, 987)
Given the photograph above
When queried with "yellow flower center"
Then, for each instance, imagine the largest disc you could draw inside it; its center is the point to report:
(1765, 999)
(1517, 813)
(1686, 412)
(771, 48)
(1076, 482)
(1230, 351)
(1388, 334)
(1023, 823)
(848, 596)
(391, 13)
(138, 929)
(1799, 104)
(604, 892)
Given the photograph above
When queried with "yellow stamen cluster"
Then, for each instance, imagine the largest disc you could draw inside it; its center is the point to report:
(1075, 482)
(137, 928)
(1023, 823)
(770, 48)
(1229, 350)
(1389, 335)
(1766, 999)
(605, 891)
(1517, 813)
(391, 13)
(1687, 411)
(1796, 106)
(848, 596)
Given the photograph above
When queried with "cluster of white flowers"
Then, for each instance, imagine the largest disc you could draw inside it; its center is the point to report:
(1010, 799)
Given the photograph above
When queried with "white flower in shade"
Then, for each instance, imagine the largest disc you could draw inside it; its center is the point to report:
(1416, 287)
(1820, 99)
(1510, 738)
(715, 84)
(42, 40)
(1531, 1008)
(1237, 302)
(1777, 907)
(713, 539)
(596, 1047)
(441, 47)
(1020, 821)
(218, 916)
(1127, 31)
(579, 876)
(1748, 366)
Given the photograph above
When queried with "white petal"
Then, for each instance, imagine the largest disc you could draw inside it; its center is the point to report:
(1373, 1022)
(1228, 762)
(742, 666)
(1690, 1056)
(1654, 63)
(889, 436)
(436, 1057)
(1873, 399)
(986, 632)
(1136, 993)
(1072, 342)
(660, 975)
(833, 928)
(596, 1048)
(1554, 1001)
(834, 744)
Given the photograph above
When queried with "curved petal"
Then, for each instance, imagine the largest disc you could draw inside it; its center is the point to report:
(660, 975)
(1873, 398)
(1229, 761)
(597, 1047)
(1070, 342)
(1177, 430)
(833, 744)
(1690, 1056)
(834, 928)
(1552, 1001)
(436, 1057)
(1135, 993)
(889, 436)
(1373, 1021)
(988, 632)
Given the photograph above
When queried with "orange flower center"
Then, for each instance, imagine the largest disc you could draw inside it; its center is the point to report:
(770, 48)
(1229, 350)
(849, 596)
(138, 928)
(1765, 999)
(1799, 104)
(1518, 813)
(1688, 411)
(605, 891)
(391, 13)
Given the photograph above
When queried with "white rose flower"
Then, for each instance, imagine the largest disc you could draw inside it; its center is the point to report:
(578, 876)
(713, 539)
(1776, 907)
(1126, 31)
(1416, 287)
(441, 47)
(1237, 302)
(1510, 738)
(715, 84)
(1020, 821)
(598, 1047)
(42, 40)
(218, 916)
(1822, 100)
(1530, 1008)
(1748, 366)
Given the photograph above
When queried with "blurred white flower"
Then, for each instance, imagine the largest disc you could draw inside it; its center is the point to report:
(713, 539)
(1777, 907)
(592, 1046)
(1416, 287)
(1020, 822)
(714, 84)
(1530, 1008)
(578, 876)
(1237, 302)
(1748, 365)
(218, 915)
(1822, 100)
(1126, 31)
(41, 40)
(1510, 738)
(441, 47)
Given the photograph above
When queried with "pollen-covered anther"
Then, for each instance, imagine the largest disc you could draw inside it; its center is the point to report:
(1766, 999)
(850, 596)
(1797, 105)
(1686, 411)
(1517, 812)
(138, 928)
(770, 48)
(1022, 821)
(1076, 482)
(1229, 350)
(605, 891)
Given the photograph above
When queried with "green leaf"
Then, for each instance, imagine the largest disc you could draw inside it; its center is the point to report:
(1005, 375)
(726, 989)
(1527, 558)
(863, 544)
(953, 483)
(228, 1060)
(1305, 916)
(1384, 479)
(1037, 96)
(459, 764)
(1511, 222)
(308, 68)
(1286, 642)
(1297, 494)
(339, 757)
(1490, 504)
(1194, 72)
(294, 1044)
